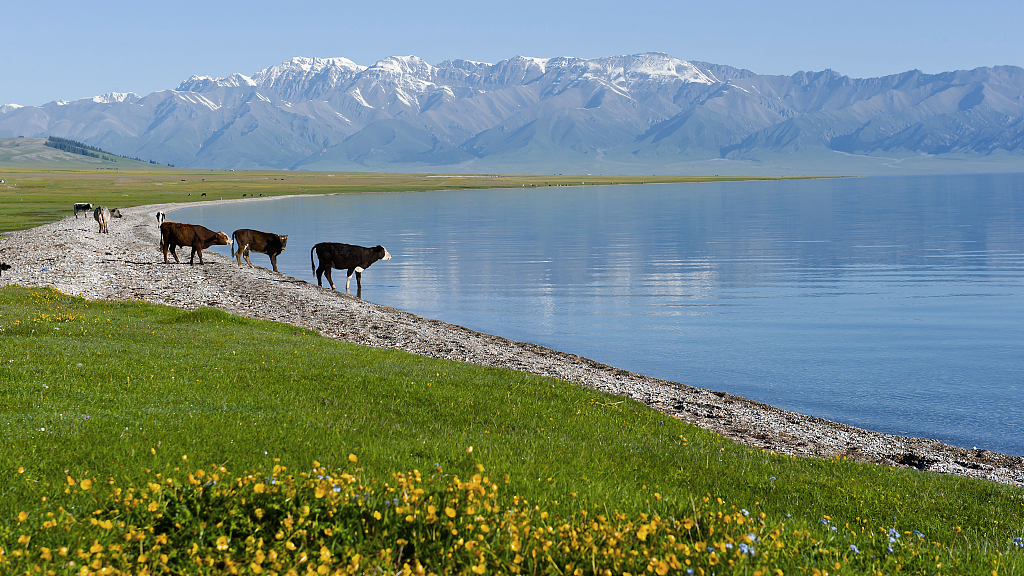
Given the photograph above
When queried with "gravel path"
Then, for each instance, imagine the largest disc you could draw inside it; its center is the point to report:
(73, 257)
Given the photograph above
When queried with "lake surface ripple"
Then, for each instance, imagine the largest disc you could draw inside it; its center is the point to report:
(893, 304)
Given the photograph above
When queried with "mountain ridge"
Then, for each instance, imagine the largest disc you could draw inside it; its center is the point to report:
(640, 113)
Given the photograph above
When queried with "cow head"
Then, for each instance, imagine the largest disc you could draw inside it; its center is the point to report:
(284, 242)
(115, 213)
(378, 249)
(222, 238)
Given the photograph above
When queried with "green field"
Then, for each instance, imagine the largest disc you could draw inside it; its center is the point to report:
(127, 395)
(145, 439)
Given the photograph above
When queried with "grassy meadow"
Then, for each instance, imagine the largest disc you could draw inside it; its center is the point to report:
(145, 439)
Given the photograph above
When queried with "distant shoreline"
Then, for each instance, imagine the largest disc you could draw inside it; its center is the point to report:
(71, 256)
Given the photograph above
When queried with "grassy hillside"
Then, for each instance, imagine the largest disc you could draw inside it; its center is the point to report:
(34, 197)
(32, 154)
(117, 418)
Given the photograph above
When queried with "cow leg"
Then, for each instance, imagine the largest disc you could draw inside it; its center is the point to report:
(329, 280)
(273, 261)
(359, 281)
(348, 279)
(246, 256)
(192, 257)
(239, 256)
(165, 248)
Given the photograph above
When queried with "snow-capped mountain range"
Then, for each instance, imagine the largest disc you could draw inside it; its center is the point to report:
(643, 113)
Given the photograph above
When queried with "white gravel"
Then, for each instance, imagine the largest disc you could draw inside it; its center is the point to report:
(73, 257)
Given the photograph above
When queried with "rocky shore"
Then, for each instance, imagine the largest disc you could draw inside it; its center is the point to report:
(73, 257)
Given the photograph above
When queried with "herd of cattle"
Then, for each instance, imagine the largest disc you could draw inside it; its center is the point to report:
(330, 255)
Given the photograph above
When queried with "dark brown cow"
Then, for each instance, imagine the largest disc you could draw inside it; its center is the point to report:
(268, 243)
(174, 234)
(345, 257)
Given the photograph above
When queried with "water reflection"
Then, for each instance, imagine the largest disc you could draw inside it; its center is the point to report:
(892, 304)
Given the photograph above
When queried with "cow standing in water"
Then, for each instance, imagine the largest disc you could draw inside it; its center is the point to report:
(103, 216)
(268, 243)
(345, 257)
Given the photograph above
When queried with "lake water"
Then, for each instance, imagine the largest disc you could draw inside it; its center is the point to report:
(893, 304)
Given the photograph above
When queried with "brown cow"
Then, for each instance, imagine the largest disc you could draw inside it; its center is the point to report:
(103, 216)
(268, 243)
(345, 257)
(174, 234)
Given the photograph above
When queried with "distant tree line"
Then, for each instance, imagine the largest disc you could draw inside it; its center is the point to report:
(76, 147)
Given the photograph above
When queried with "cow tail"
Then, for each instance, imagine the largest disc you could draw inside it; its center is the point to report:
(311, 264)
(163, 238)
(234, 236)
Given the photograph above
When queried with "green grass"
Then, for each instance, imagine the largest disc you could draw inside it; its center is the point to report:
(126, 390)
(34, 197)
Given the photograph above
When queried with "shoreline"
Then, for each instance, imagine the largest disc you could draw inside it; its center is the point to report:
(73, 257)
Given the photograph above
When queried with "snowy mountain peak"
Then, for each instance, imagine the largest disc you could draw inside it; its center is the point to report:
(302, 67)
(658, 65)
(403, 66)
(205, 83)
(115, 97)
(4, 108)
(236, 80)
(531, 62)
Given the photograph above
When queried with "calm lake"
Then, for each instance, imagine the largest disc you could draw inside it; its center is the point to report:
(893, 304)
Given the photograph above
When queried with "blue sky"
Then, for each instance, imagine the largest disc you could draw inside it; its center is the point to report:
(65, 50)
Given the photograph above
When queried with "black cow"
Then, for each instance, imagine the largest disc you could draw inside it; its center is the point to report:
(82, 207)
(345, 257)
(173, 234)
